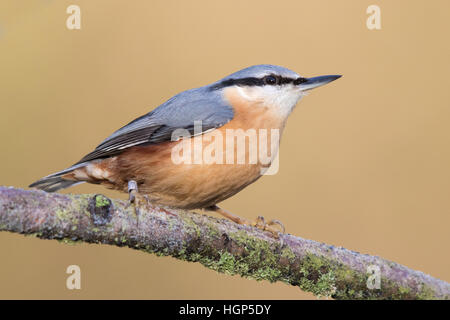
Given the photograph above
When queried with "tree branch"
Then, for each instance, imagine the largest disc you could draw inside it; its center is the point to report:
(220, 245)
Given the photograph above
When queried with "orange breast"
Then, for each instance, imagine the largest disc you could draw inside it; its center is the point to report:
(193, 185)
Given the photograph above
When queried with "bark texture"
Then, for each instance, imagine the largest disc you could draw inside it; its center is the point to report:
(217, 244)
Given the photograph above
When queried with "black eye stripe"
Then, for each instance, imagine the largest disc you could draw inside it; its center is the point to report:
(239, 82)
(299, 81)
(286, 80)
(252, 81)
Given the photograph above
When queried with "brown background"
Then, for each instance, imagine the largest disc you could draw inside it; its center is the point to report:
(364, 161)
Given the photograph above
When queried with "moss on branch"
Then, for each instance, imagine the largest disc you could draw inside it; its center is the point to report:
(217, 244)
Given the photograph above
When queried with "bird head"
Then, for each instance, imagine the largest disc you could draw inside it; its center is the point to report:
(271, 86)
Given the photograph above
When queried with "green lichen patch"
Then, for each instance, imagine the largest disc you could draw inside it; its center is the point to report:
(65, 215)
(62, 214)
(213, 232)
(246, 256)
(316, 275)
(190, 226)
(101, 201)
(261, 260)
(100, 209)
(427, 294)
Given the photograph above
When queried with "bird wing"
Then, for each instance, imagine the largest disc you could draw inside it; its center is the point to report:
(181, 111)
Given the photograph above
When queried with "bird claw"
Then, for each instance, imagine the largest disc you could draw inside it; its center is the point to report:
(262, 225)
(278, 223)
(258, 223)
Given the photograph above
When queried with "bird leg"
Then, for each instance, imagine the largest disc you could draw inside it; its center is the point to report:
(258, 223)
(132, 190)
(134, 196)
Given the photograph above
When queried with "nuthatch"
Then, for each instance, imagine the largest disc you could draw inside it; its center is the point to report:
(138, 157)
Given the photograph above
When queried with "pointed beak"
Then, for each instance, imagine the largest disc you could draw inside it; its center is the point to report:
(315, 82)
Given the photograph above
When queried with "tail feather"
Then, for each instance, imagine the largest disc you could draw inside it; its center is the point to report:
(55, 182)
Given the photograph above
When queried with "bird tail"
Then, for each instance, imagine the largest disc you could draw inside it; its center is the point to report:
(55, 182)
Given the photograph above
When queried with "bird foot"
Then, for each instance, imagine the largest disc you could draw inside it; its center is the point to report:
(258, 223)
(273, 226)
(134, 197)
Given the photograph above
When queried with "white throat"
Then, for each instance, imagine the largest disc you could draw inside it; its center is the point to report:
(282, 99)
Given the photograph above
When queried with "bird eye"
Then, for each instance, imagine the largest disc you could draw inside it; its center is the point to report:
(270, 80)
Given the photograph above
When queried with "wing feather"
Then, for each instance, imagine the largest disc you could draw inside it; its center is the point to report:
(181, 111)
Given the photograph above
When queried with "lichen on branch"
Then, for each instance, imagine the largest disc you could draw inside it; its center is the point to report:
(217, 244)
